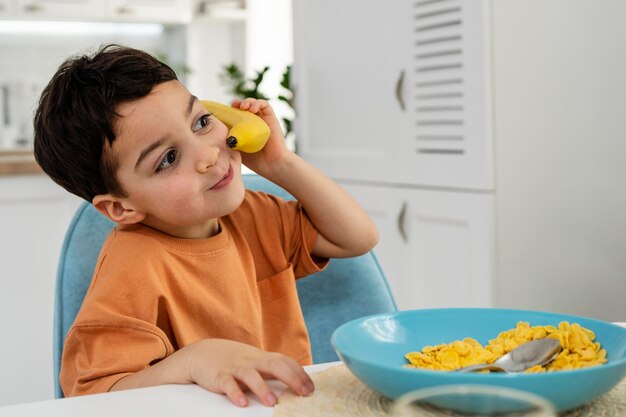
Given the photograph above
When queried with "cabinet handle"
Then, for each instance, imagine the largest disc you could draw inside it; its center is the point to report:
(402, 222)
(399, 88)
(123, 10)
(33, 8)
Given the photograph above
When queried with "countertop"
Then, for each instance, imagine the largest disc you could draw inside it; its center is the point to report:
(18, 162)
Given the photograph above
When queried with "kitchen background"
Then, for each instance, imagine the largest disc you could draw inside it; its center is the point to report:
(485, 138)
(197, 38)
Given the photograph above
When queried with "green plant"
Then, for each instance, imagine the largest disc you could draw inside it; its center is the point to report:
(285, 82)
(241, 87)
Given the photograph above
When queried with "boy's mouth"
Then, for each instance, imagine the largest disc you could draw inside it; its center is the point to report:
(226, 179)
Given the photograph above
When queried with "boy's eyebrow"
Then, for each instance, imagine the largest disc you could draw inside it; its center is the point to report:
(192, 101)
(147, 150)
(154, 145)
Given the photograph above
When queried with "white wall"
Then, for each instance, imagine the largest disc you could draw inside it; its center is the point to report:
(213, 44)
(262, 36)
(561, 155)
(269, 42)
(269, 39)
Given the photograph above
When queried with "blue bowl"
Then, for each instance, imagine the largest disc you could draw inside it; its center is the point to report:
(373, 348)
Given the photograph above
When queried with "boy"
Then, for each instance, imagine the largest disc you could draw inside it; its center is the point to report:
(196, 283)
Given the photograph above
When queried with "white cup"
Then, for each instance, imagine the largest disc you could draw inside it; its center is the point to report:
(471, 400)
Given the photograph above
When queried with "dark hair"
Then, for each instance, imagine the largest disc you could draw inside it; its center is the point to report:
(74, 121)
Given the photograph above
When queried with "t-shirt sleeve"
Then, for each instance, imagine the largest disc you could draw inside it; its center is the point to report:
(275, 222)
(96, 356)
(304, 239)
(115, 332)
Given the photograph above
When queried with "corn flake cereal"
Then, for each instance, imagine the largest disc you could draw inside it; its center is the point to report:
(579, 349)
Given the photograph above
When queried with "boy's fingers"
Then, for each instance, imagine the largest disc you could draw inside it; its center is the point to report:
(247, 103)
(229, 386)
(255, 106)
(258, 105)
(253, 380)
(290, 372)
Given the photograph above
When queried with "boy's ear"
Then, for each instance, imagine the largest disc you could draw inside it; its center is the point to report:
(118, 210)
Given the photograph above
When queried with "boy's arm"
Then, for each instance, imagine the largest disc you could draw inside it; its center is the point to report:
(345, 229)
(223, 366)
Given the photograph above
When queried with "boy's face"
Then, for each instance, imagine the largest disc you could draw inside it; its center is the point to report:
(174, 164)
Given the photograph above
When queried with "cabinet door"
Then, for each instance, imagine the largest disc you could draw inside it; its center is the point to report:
(164, 11)
(450, 243)
(448, 136)
(383, 207)
(436, 247)
(34, 216)
(395, 92)
(60, 9)
(345, 81)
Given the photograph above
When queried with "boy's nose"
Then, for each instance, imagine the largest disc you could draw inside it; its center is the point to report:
(207, 157)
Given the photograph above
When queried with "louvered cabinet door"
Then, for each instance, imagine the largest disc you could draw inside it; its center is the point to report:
(447, 90)
(395, 92)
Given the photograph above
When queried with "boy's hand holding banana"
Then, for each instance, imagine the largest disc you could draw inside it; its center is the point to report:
(247, 131)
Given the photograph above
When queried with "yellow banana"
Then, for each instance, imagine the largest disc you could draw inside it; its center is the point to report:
(248, 132)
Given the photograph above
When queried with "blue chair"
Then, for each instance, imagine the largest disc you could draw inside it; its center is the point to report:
(348, 288)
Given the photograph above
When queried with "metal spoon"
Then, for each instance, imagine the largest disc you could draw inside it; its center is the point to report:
(527, 355)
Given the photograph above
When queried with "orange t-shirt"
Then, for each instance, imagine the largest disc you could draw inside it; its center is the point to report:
(152, 294)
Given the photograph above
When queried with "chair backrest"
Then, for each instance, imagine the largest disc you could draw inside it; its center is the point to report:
(348, 288)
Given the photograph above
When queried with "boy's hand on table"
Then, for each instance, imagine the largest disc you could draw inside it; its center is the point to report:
(229, 367)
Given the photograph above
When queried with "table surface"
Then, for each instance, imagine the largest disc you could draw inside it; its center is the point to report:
(163, 400)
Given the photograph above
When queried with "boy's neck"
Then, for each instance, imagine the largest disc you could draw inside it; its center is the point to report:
(201, 231)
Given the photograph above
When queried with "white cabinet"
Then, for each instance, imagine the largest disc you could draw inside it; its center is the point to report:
(164, 11)
(59, 9)
(34, 215)
(436, 247)
(396, 92)
(345, 73)
(153, 11)
(394, 105)
(498, 123)
(384, 204)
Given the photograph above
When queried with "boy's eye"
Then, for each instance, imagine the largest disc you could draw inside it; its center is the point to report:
(167, 161)
(202, 122)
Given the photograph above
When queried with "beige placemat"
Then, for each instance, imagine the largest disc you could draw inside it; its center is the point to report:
(339, 394)
(612, 404)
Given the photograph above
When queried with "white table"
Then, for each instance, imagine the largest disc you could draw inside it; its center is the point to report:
(164, 400)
